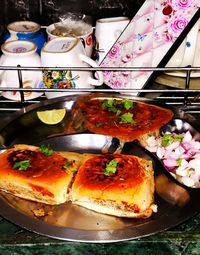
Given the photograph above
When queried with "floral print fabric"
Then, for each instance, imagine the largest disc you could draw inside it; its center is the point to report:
(146, 40)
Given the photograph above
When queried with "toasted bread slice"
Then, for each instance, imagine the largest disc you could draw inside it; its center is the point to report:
(143, 139)
(125, 119)
(42, 178)
(115, 184)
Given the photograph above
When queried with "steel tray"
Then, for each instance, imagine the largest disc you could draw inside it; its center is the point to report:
(176, 203)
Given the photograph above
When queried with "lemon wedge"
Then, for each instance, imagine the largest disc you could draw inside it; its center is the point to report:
(51, 117)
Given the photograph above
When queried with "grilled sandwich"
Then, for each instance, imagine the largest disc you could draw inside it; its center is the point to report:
(115, 184)
(125, 119)
(38, 174)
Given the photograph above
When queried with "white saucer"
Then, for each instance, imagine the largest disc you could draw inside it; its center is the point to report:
(15, 95)
(196, 61)
(194, 74)
(177, 82)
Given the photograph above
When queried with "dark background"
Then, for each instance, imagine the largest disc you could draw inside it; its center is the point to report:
(46, 12)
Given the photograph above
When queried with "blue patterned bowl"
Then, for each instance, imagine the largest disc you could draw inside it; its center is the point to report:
(26, 30)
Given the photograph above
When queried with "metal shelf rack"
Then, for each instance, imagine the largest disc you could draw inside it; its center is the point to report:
(186, 98)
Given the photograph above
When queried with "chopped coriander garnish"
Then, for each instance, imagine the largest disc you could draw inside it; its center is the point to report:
(116, 107)
(79, 125)
(128, 104)
(111, 167)
(127, 118)
(112, 109)
(73, 170)
(69, 163)
(188, 173)
(22, 165)
(167, 139)
(178, 137)
(108, 103)
(99, 124)
(179, 161)
(46, 151)
(118, 112)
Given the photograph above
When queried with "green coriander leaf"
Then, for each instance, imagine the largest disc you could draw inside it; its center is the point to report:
(111, 167)
(111, 105)
(79, 125)
(112, 109)
(22, 165)
(46, 151)
(69, 163)
(178, 137)
(179, 161)
(108, 103)
(127, 118)
(167, 139)
(118, 112)
(128, 104)
(73, 170)
(99, 124)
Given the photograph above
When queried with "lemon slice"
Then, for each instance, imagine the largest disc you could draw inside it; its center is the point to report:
(52, 117)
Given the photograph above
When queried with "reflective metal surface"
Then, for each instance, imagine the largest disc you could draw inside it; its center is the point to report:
(69, 222)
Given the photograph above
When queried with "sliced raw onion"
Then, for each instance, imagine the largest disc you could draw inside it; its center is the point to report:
(180, 157)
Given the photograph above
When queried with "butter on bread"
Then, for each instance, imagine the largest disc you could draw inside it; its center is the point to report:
(45, 180)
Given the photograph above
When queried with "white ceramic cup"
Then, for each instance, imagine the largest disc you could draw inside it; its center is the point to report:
(107, 30)
(86, 36)
(23, 53)
(185, 54)
(25, 30)
(67, 52)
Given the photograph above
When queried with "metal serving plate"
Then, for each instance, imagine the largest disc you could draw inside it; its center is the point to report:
(176, 203)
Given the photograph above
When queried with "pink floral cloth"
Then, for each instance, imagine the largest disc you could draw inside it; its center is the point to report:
(146, 40)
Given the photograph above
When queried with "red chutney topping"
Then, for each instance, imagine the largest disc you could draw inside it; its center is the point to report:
(128, 172)
(41, 166)
(41, 190)
(115, 119)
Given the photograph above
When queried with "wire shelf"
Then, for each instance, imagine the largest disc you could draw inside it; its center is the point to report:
(186, 98)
